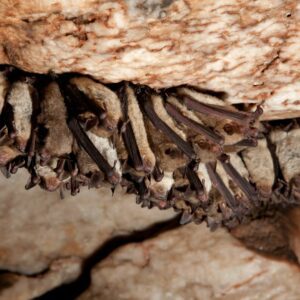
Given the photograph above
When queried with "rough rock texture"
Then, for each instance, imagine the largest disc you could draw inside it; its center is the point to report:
(247, 49)
(45, 241)
(20, 287)
(192, 263)
(42, 234)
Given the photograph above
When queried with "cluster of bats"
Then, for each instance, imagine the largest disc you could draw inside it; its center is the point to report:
(179, 147)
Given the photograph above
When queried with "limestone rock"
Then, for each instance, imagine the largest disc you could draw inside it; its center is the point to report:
(192, 263)
(38, 230)
(248, 50)
(19, 287)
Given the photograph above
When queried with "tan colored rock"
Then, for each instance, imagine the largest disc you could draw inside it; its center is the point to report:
(38, 230)
(192, 263)
(249, 50)
(19, 287)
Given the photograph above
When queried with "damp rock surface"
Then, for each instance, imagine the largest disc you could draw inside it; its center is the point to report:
(249, 50)
(192, 263)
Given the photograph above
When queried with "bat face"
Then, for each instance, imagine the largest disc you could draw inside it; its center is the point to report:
(174, 148)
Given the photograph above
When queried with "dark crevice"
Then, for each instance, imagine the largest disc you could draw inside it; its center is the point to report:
(81, 284)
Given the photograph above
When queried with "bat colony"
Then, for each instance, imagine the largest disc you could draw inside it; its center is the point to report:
(178, 147)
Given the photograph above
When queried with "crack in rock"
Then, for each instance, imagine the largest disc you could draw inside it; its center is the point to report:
(75, 288)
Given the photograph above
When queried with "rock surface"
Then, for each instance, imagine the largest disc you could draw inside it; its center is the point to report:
(42, 234)
(248, 50)
(20, 287)
(46, 241)
(192, 263)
